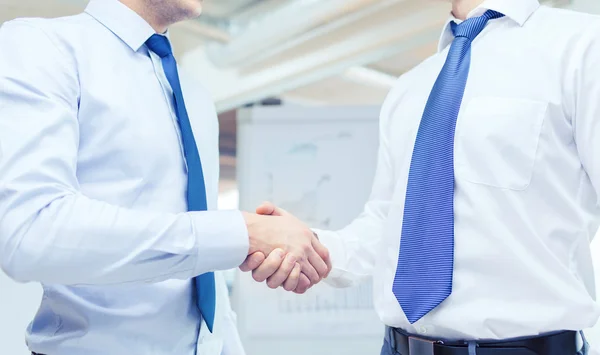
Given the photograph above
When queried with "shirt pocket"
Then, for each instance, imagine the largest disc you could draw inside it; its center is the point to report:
(496, 141)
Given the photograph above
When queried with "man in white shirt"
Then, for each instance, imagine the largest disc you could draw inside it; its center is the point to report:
(486, 193)
(108, 188)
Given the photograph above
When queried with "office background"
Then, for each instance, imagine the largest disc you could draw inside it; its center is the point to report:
(311, 85)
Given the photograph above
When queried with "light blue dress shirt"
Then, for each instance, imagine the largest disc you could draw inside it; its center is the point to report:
(92, 187)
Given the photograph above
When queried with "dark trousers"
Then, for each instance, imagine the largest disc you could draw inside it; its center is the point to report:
(388, 350)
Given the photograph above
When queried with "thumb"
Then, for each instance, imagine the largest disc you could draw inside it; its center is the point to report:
(268, 208)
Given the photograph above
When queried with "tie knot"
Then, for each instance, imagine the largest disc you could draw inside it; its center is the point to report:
(472, 27)
(159, 45)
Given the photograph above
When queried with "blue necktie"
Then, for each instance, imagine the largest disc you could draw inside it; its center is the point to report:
(423, 277)
(196, 191)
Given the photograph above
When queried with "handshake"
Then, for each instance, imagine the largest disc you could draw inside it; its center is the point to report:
(284, 251)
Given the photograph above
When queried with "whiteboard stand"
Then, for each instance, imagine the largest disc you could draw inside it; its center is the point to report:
(318, 163)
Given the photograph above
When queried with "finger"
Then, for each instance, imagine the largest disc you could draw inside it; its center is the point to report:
(320, 266)
(303, 284)
(279, 277)
(310, 272)
(323, 253)
(253, 261)
(269, 266)
(266, 208)
(292, 281)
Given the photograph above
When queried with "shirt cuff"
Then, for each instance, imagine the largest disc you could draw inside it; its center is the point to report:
(222, 240)
(337, 253)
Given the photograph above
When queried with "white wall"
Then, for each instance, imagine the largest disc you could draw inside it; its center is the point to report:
(18, 305)
(591, 6)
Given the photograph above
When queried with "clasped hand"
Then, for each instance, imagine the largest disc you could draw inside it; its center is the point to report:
(284, 251)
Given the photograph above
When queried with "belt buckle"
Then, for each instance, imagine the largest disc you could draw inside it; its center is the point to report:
(419, 346)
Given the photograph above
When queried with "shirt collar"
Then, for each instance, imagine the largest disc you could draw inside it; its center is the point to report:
(516, 10)
(122, 21)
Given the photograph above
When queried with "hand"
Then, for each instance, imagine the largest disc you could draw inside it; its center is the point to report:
(268, 267)
(258, 263)
(268, 208)
(290, 247)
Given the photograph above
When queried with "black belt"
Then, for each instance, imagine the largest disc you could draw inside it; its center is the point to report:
(563, 343)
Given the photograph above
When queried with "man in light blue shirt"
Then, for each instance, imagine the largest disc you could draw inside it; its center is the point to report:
(103, 201)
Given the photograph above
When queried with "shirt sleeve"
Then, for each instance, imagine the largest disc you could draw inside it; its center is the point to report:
(586, 103)
(354, 249)
(50, 231)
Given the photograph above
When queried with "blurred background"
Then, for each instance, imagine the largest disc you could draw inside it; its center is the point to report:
(307, 76)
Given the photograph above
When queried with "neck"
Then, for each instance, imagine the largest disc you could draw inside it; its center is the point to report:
(148, 13)
(462, 8)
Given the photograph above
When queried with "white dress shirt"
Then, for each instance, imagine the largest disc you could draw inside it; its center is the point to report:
(93, 183)
(527, 169)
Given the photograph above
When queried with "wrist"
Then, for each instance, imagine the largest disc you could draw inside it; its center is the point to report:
(252, 227)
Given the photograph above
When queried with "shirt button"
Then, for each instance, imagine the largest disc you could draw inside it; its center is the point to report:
(423, 330)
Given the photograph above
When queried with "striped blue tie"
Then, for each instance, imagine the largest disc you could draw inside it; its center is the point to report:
(423, 277)
(196, 191)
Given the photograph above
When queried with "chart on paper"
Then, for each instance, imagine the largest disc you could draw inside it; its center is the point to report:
(322, 311)
(328, 300)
